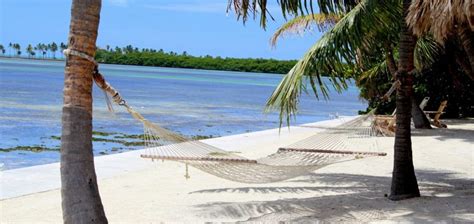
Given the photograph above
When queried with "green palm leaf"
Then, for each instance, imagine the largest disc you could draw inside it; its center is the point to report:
(301, 24)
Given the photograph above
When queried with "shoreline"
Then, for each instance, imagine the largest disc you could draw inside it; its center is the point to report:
(107, 165)
(350, 192)
(142, 66)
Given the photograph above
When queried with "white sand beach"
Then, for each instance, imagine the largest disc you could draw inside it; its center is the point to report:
(135, 190)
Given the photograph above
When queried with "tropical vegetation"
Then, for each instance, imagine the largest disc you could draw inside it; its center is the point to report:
(150, 57)
(130, 55)
(375, 77)
(39, 51)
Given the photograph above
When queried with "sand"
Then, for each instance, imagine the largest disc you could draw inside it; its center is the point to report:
(134, 190)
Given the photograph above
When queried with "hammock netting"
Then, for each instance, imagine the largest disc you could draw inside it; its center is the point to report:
(353, 139)
(350, 140)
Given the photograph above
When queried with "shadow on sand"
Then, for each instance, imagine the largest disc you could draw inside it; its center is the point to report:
(347, 198)
(452, 132)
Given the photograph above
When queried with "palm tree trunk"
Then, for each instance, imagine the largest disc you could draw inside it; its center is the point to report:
(467, 41)
(419, 118)
(404, 183)
(81, 201)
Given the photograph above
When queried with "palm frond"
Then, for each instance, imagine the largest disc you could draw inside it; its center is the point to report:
(372, 73)
(253, 8)
(334, 54)
(426, 52)
(301, 24)
(369, 79)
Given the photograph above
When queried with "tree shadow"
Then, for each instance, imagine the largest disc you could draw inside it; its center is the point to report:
(347, 198)
(457, 129)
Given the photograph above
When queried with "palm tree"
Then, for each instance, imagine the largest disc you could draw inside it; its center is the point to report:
(48, 48)
(39, 48)
(17, 48)
(81, 202)
(54, 48)
(10, 46)
(404, 183)
(443, 18)
(44, 50)
(63, 47)
(2, 49)
(364, 23)
(30, 51)
(369, 70)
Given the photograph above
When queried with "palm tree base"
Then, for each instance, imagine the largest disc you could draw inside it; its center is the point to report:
(403, 196)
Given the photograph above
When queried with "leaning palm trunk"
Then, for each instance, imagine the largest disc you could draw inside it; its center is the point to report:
(419, 118)
(404, 183)
(81, 201)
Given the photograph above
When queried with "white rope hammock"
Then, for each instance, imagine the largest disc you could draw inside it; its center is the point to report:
(351, 140)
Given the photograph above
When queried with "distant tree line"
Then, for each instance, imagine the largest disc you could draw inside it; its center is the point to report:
(40, 50)
(130, 55)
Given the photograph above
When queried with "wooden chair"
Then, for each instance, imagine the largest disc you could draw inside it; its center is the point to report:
(437, 114)
(386, 124)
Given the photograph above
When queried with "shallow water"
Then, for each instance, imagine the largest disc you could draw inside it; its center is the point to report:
(192, 102)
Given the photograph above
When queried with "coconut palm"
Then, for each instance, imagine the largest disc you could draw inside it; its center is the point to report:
(10, 46)
(384, 64)
(81, 201)
(442, 19)
(2, 49)
(44, 50)
(30, 51)
(54, 48)
(17, 48)
(363, 25)
(404, 183)
(63, 47)
(39, 48)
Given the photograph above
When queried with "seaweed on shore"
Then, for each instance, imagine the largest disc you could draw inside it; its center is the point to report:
(33, 148)
(126, 139)
(201, 137)
(132, 136)
(100, 133)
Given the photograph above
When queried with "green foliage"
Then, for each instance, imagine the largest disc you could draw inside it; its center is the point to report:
(150, 57)
(445, 80)
(343, 52)
(254, 8)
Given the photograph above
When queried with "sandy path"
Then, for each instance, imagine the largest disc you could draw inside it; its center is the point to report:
(351, 192)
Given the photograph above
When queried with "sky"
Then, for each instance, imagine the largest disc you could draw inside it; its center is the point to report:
(199, 27)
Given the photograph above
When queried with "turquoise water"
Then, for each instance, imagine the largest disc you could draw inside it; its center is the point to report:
(192, 102)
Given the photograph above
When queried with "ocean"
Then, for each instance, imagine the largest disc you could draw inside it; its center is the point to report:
(195, 103)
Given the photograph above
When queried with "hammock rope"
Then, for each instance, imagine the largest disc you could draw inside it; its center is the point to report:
(348, 141)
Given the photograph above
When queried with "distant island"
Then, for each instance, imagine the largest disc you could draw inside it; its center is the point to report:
(130, 55)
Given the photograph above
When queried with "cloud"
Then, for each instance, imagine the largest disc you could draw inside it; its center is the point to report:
(121, 3)
(196, 7)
